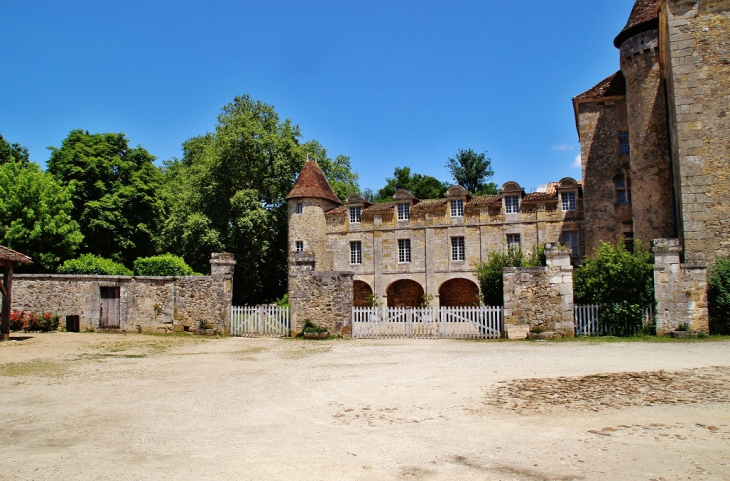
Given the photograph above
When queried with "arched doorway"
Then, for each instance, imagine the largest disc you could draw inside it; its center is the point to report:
(405, 293)
(361, 291)
(458, 293)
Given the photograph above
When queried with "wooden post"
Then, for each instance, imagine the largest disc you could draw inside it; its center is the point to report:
(7, 298)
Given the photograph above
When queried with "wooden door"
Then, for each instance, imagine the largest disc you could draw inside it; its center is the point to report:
(109, 307)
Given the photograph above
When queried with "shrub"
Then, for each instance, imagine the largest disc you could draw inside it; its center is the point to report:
(309, 326)
(489, 272)
(33, 322)
(164, 265)
(718, 296)
(93, 265)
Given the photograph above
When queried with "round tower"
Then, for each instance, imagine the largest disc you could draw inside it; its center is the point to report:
(308, 202)
(648, 135)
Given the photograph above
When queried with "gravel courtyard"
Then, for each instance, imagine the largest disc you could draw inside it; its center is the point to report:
(113, 406)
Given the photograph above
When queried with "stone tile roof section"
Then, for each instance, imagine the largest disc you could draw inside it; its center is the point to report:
(381, 207)
(537, 197)
(426, 203)
(9, 255)
(644, 16)
(312, 183)
(482, 200)
(337, 210)
(613, 86)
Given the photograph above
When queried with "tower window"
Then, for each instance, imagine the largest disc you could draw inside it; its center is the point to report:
(511, 204)
(355, 213)
(568, 200)
(513, 242)
(404, 212)
(623, 142)
(457, 208)
(299, 246)
(300, 208)
(404, 250)
(623, 190)
(356, 252)
(457, 249)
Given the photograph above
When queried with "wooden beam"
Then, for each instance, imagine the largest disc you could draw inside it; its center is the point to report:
(7, 299)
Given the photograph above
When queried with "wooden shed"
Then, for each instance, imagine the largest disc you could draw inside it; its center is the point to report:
(8, 260)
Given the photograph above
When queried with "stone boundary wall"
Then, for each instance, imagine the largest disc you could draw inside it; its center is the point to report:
(680, 289)
(540, 297)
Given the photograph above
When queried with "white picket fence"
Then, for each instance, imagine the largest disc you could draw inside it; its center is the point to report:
(427, 322)
(587, 322)
(260, 321)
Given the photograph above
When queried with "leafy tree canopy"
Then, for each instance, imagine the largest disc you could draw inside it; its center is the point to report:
(422, 186)
(472, 171)
(13, 153)
(115, 194)
(35, 216)
(718, 296)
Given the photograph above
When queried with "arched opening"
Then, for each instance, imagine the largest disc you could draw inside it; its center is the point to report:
(361, 291)
(458, 293)
(405, 293)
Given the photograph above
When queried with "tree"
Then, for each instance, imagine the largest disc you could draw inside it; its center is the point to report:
(422, 186)
(35, 216)
(489, 272)
(718, 296)
(13, 153)
(472, 171)
(115, 195)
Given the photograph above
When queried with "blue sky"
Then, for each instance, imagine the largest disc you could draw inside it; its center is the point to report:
(389, 83)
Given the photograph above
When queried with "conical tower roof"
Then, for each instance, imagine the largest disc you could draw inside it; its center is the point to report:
(644, 16)
(312, 183)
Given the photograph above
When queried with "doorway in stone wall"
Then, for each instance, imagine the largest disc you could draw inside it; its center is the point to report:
(109, 317)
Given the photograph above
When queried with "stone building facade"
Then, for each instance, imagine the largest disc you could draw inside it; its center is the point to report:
(412, 250)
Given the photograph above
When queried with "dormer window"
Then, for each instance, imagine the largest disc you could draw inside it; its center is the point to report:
(568, 201)
(457, 208)
(404, 211)
(299, 208)
(355, 213)
(511, 204)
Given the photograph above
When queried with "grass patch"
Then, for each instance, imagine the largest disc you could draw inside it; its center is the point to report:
(36, 367)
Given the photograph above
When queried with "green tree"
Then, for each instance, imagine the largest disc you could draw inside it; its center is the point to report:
(115, 195)
(13, 153)
(422, 186)
(35, 216)
(489, 272)
(718, 296)
(472, 171)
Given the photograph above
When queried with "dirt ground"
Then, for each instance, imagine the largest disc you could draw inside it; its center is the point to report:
(113, 406)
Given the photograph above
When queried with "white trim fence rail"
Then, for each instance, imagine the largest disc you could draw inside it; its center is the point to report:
(260, 321)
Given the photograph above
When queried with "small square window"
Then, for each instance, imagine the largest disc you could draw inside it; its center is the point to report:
(300, 208)
(570, 239)
(623, 140)
(356, 252)
(457, 249)
(457, 208)
(568, 200)
(355, 213)
(404, 212)
(404, 250)
(511, 204)
(513, 241)
(299, 246)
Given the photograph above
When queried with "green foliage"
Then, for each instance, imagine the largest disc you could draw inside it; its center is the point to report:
(93, 265)
(472, 171)
(33, 321)
(115, 195)
(718, 296)
(422, 186)
(35, 216)
(164, 265)
(622, 281)
(309, 326)
(372, 300)
(283, 301)
(489, 272)
(13, 153)
(426, 300)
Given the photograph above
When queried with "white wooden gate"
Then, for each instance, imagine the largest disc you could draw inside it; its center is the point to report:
(587, 321)
(260, 321)
(427, 322)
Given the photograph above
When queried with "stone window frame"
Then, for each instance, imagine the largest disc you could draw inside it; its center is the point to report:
(299, 208)
(622, 188)
(299, 246)
(355, 252)
(514, 240)
(355, 215)
(457, 207)
(623, 142)
(404, 251)
(569, 204)
(511, 204)
(458, 248)
(404, 211)
(571, 239)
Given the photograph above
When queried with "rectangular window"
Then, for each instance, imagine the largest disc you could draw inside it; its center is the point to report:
(568, 199)
(355, 213)
(629, 241)
(404, 250)
(623, 190)
(356, 252)
(511, 204)
(457, 249)
(623, 140)
(404, 212)
(300, 208)
(570, 239)
(299, 246)
(513, 241)
(457, 208)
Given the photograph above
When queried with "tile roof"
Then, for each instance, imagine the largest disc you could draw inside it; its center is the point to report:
(426, 203)
(313, 184)
(337, 210)
(537, 197)
(613, 86)
(480, 200)
(644, 16)
(381, 207)
(9, 255)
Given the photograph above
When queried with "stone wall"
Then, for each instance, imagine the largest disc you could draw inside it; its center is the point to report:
(680, 289)
(145, 303)
(323, 297)
(310, 227)
(541, 297)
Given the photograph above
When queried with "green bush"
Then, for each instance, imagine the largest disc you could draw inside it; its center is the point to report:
(489, 272)
(164, 265)
(622, 281)
(718, 296)
(93, 265)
